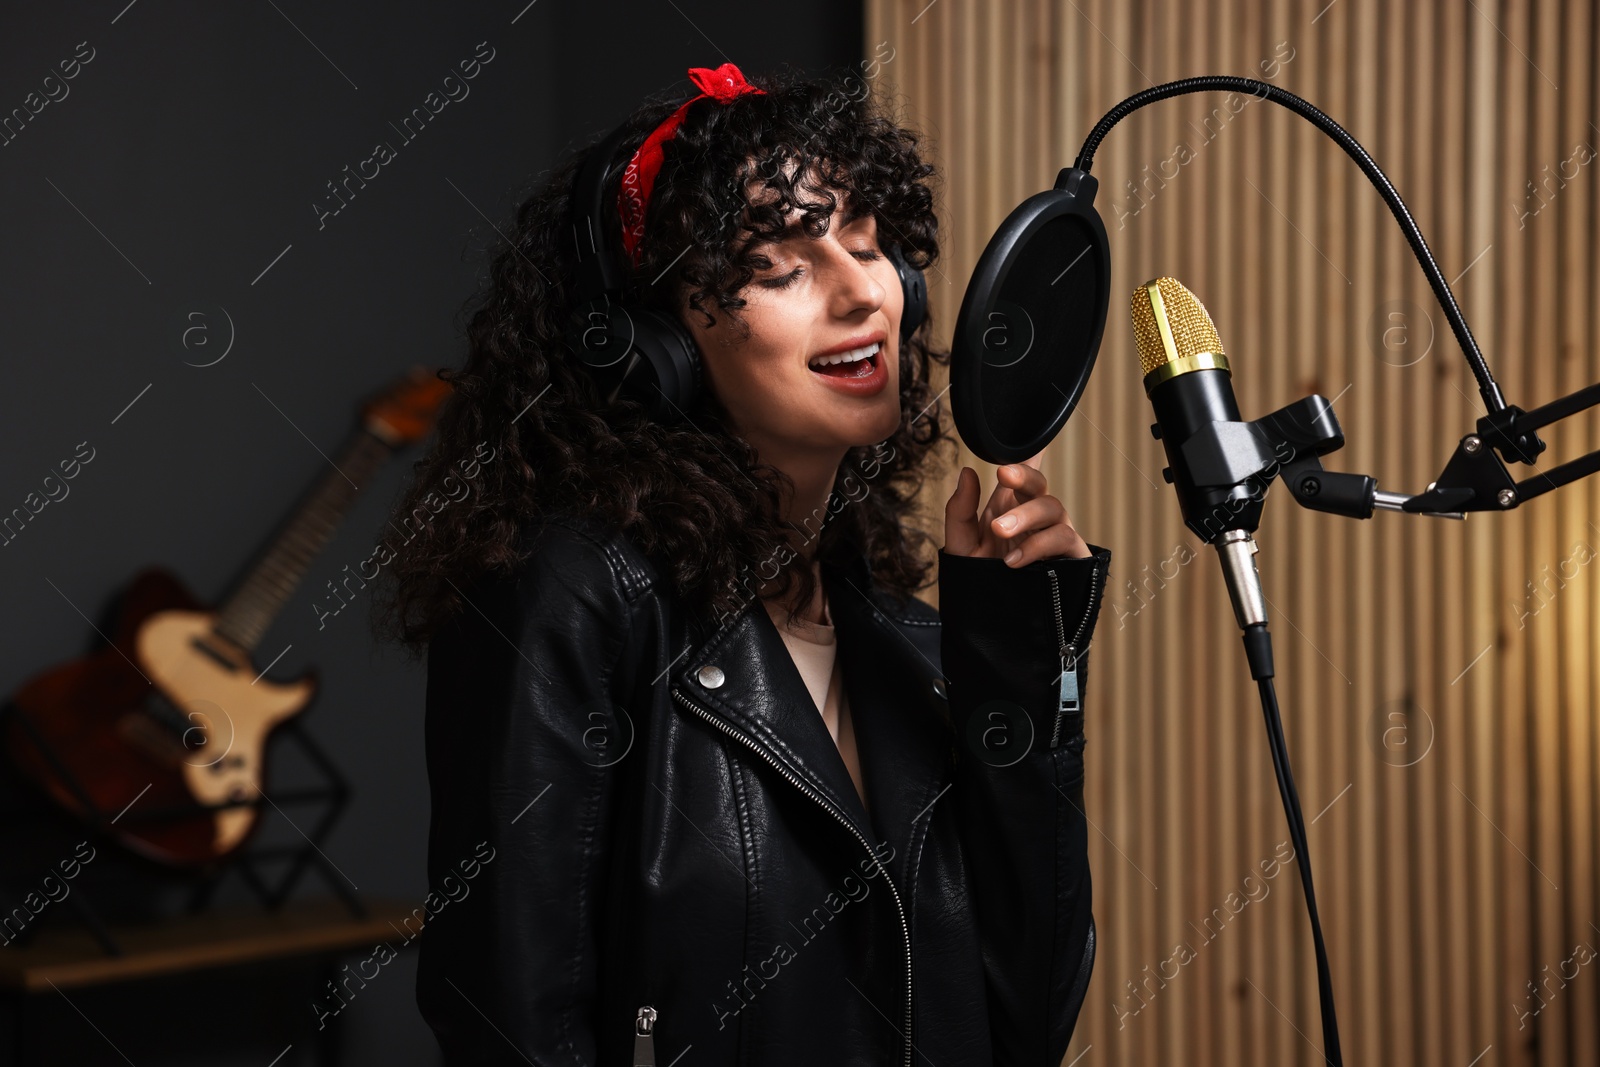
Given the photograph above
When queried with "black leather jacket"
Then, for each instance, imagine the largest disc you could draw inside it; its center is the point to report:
(661, 834)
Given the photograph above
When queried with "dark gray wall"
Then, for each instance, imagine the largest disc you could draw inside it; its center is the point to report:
(176, 174)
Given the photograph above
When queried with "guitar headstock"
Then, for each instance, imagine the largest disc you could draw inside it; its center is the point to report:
(405, 412)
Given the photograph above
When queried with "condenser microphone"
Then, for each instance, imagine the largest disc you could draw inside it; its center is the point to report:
(1217, 461)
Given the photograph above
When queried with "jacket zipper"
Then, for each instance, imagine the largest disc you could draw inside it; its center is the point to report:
(905, 929)
(644, 1039)
(1068, 701)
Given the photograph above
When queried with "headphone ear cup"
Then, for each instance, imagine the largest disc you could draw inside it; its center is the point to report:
(636, 354)
(914, 293)
(675, 360)
(600, 334)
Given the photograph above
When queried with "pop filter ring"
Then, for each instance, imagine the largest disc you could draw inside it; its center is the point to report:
(1072, 198)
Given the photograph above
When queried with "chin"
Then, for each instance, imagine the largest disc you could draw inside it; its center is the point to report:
(866, 432)
(888, 425)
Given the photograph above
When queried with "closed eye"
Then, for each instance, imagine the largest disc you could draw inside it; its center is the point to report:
(785, 281)
(864, 254)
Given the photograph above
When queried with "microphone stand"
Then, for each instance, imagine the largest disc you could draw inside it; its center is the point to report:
(1475, 478)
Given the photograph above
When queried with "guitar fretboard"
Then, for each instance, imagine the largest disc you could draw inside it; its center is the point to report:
(247, 613)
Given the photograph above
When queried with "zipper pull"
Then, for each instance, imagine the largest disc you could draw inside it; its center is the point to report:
(1068, 703)
(644, 1041)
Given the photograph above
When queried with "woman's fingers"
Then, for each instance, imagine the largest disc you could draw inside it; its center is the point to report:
(1024, 479)
(1014, 483)
(1038, 527)
(1058, 540)
(1029, 516)
(961, 529)
(1022, 522)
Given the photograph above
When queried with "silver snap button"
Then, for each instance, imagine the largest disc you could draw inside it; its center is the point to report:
(938, 688)
(710, 676)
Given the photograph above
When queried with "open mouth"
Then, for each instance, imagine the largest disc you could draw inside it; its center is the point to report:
(857, 363)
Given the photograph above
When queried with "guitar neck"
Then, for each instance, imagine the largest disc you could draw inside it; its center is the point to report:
(247, 613)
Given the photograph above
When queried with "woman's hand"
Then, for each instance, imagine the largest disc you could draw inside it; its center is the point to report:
(1040, 527)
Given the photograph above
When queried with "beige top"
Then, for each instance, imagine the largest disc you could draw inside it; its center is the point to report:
(814, 648)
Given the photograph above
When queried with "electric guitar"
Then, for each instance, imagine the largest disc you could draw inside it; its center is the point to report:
(158, 736)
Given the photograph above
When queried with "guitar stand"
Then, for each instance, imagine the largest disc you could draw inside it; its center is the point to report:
(332, 793)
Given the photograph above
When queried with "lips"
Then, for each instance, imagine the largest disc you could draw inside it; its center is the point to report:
(855, 363)
(861, 372)
(861, 368)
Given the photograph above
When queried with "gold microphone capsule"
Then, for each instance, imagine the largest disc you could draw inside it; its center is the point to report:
(1174, 333)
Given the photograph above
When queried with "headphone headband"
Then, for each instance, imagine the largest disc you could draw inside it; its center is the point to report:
(594, 229)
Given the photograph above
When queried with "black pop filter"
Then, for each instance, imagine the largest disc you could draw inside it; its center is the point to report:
(1030, 323)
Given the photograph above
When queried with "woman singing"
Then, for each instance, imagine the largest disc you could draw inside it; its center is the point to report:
(707, 779)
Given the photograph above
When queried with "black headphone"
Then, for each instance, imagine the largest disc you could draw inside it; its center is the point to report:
(631, 351)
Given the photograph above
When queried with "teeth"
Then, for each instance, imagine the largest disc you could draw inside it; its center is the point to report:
(847, 357)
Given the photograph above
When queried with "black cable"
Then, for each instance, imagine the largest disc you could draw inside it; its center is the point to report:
(1258, 646)
(1487, 388)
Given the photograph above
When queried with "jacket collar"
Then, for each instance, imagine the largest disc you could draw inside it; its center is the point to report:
(902, 731)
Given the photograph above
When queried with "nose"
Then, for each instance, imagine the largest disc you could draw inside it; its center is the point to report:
(855, 285)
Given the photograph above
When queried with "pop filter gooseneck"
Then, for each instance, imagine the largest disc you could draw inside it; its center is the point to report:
(1492, 399)
(1030, 324)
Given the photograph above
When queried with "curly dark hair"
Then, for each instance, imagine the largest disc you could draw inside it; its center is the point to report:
(528, 425)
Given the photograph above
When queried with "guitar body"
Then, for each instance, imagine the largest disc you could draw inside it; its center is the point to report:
(150, 735)
(168, 705)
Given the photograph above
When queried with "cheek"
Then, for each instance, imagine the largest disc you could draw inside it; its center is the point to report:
(763, 367)
(781, 331)
(781, 322)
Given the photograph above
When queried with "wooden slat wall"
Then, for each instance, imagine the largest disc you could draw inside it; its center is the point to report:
(1437, 678)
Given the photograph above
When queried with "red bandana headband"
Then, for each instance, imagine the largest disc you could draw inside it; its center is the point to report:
(639, 177)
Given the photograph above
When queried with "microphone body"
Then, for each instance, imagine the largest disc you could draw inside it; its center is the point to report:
(1185, 404)
(1212, 453)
